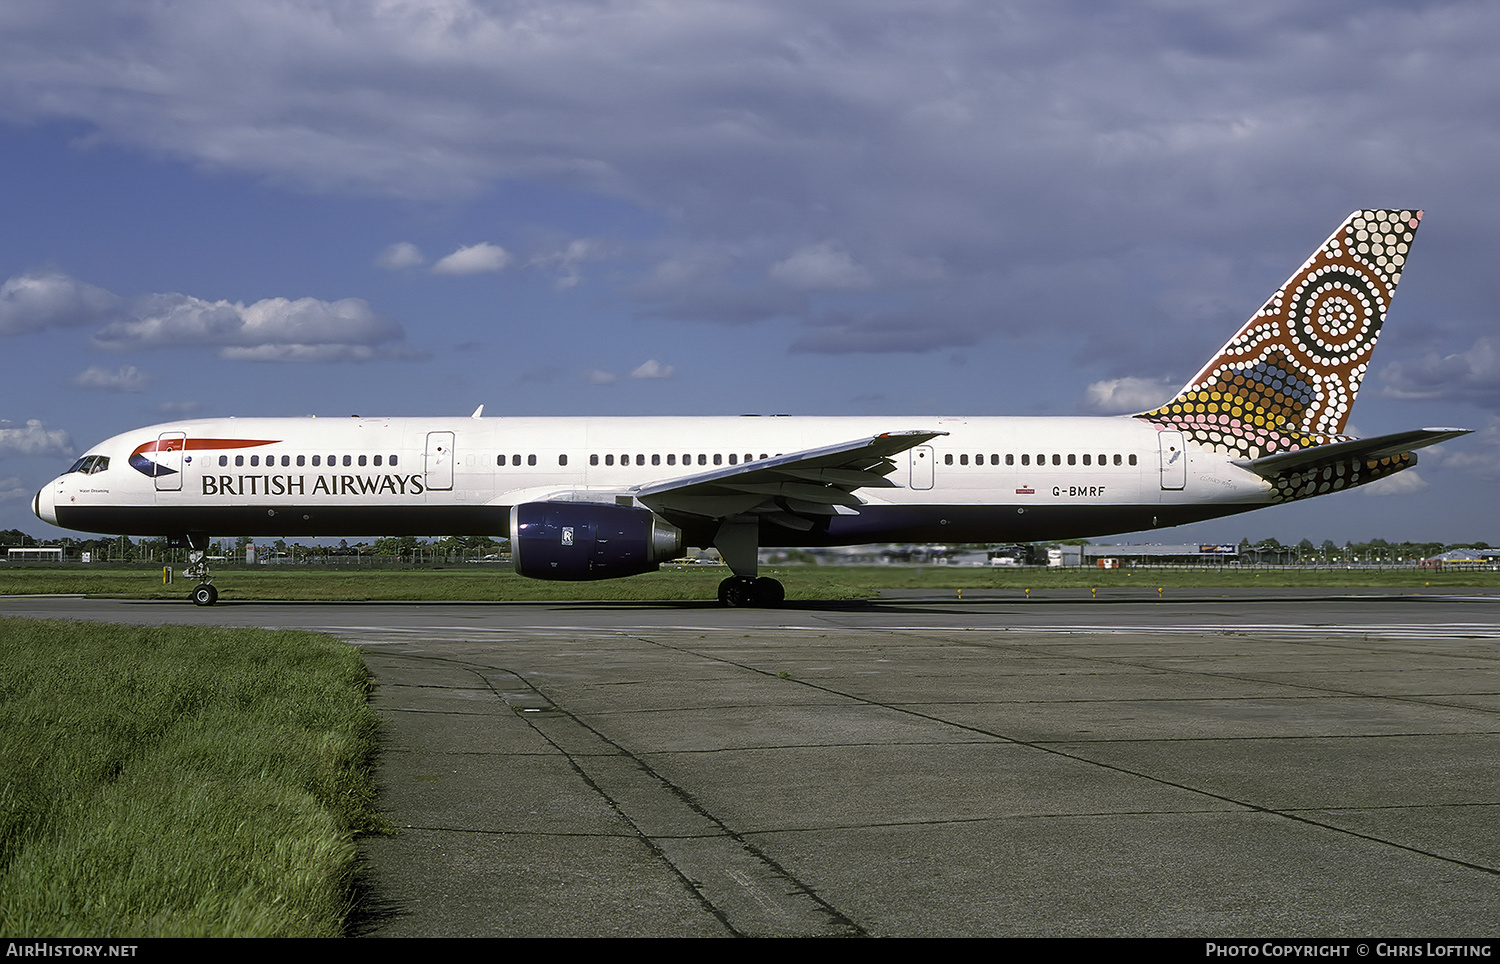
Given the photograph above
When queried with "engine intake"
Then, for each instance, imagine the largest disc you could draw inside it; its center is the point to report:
(586, 540)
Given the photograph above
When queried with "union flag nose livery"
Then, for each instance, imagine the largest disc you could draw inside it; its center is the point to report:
(166, 445)
(594, 498)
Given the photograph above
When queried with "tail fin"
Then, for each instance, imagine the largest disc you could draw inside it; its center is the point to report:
(1288, 379)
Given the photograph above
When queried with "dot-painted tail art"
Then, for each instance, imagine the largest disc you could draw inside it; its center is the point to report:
(1287, 380)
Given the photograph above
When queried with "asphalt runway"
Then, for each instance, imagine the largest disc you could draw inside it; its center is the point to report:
(1214, 763)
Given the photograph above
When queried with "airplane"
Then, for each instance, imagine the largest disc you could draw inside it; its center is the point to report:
(597, 498)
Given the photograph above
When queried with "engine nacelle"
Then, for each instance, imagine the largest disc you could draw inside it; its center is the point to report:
(589, 540)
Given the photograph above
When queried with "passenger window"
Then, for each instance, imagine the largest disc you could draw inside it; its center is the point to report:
(609, 460)
(1010, 459)
(255, 460)
(702, 459)
(361, 461)
(531, 460)
(718, 459)
(1132, 460)
(392, 461)
(963, 459)
(1117, 460)
(1025, 459)
(515, 460)
(562, 460)
(347, 461)
(948, 459)
(302, 461)
(317, 460)
(640, 459)
(1056, 459)
(655, 459)
(377, 461)
(734, 459)
(1087, 459)
(223, 461)
(671, 458)
(1072, 459)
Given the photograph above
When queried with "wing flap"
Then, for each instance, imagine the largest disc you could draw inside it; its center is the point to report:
(796, 490)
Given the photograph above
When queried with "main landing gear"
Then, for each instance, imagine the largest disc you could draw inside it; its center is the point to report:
(762, 591)
(738, 541)
(204, 594)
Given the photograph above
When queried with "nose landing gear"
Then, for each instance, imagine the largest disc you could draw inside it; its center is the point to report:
(204, 594)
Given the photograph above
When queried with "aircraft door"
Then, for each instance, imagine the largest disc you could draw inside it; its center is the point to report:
(921, 467)
(439, 467)
(169, 446)
(1173, 460)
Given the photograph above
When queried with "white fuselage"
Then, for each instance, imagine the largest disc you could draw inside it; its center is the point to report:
(987, 479)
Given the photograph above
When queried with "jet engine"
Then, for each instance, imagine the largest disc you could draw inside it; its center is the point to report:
(588, 540)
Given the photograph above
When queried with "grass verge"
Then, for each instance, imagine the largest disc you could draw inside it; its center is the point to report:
(490, 583)
(174, 781)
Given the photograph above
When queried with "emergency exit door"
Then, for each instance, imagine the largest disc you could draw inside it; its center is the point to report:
(1173, 460)
(439, 467)
(921, 467)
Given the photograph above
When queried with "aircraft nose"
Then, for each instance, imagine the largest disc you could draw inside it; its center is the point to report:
(43, 505)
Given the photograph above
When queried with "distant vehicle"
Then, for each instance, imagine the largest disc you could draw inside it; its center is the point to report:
(595, 498)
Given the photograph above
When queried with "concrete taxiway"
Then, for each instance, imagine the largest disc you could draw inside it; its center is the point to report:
(1207, 763)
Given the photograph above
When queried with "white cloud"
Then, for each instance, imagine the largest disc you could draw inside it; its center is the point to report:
(12, 488)
(474, 259)
(1124, 396)
(569, 260)
(596, 376)
(275, 329)
(402, 254)
(651, 368)
(126, 378)
(34, 438)
(823, 265)
(1477, 454)
(1472, 375)
(32, 302)
(1402, 483)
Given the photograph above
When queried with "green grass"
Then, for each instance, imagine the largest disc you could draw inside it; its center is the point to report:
(482, 583)
(175, 781)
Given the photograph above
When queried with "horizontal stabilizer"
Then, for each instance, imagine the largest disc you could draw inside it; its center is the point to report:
(1369, 449)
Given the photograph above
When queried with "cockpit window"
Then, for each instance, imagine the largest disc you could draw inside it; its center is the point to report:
(90, 465)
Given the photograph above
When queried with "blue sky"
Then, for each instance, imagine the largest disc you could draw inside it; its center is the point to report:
(567, 207)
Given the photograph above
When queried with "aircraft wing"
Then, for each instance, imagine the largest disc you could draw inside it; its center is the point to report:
(793, 490)
(1370, 449)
